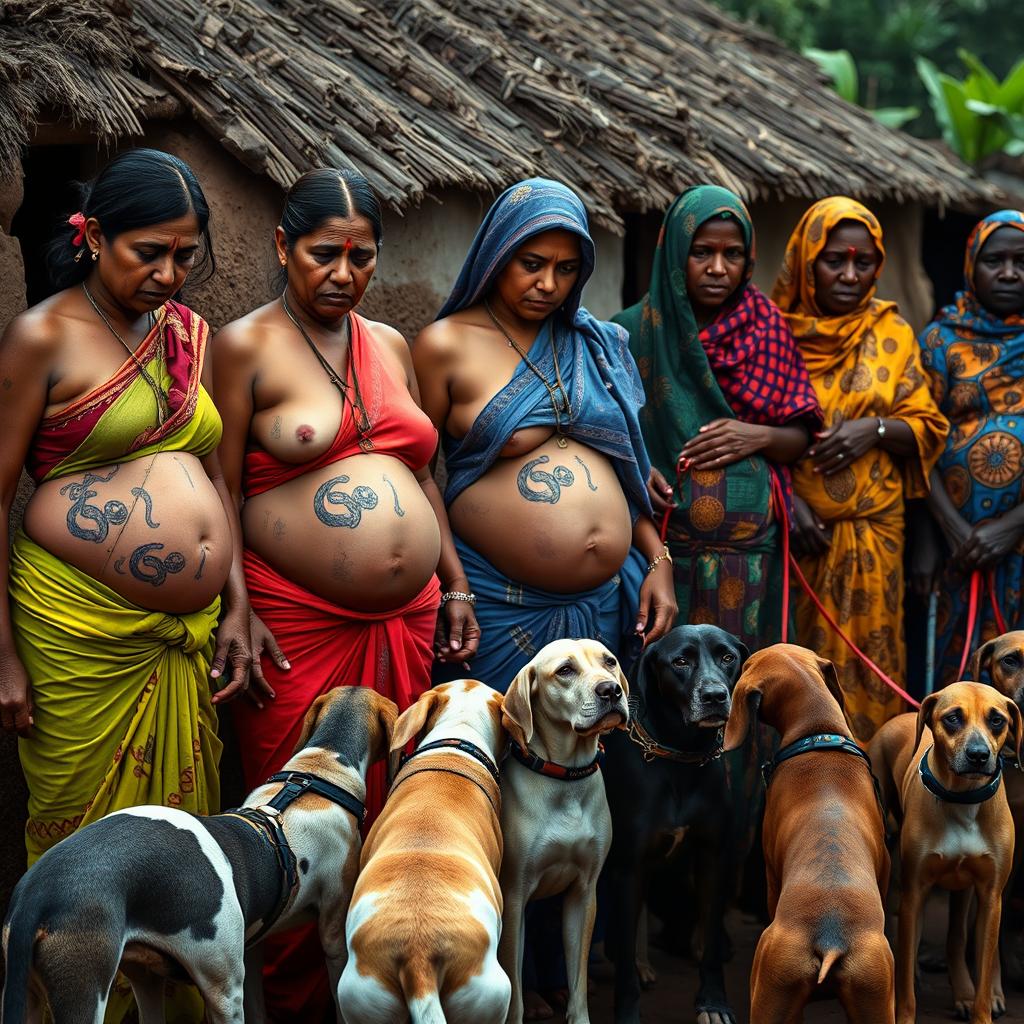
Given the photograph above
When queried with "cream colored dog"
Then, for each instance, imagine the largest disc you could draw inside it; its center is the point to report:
(555, 817)
(941, 768)
(425, 915)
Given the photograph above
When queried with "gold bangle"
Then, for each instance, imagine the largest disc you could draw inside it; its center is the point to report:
(665, 556)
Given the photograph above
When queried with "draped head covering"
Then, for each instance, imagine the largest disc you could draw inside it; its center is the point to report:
(966, 315)
(597, 369)
(742, 365)
(825, 339)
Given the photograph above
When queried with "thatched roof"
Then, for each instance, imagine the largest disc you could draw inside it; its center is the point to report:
(628, 102)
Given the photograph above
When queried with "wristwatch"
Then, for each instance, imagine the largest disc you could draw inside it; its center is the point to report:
(881, 427)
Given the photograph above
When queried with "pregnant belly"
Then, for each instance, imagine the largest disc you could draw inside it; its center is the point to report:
(359, 532)
(154, 530)
(555, 518)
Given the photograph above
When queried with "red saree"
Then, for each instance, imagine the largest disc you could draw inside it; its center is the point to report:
(328, 645)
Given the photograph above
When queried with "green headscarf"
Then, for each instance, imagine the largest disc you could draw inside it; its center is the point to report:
(663, 332)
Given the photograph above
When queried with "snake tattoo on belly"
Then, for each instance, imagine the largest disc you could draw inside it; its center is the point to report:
(148, 567)
(113, 513)
(552, 482)
(361, 498)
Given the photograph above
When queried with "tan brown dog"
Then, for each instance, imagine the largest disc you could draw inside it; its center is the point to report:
(425, 916)
(942, 768)
(824, 846)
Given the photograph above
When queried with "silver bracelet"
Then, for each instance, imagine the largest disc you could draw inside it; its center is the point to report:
(457, 595)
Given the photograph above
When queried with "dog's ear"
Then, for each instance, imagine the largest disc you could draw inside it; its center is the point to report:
(387, 713)
(981, 660)
(621, 678)
(1018, 726)
(741, 650)
(517, 708)
(746, 700)
(924, 716)
(412, 723)
(831, 677)
(309, 722)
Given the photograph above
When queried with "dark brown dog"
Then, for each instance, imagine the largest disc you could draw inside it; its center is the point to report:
(824, 849)
(942, 764)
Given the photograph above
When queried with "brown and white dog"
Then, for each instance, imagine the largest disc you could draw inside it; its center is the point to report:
(555, 819)
(824, 846)
(425, 917)
(941, 767)
(156, 890)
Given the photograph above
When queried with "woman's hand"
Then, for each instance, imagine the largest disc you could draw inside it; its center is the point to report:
(925, 557)
(987, 543)
(15, 695)
(457, 635)
(809, 535)
(842, 444)
(660, 492)
(233, 645)
(264, 642)
(657, 599)
(722, 442)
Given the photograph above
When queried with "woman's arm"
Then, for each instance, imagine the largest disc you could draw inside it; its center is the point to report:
(431, 395)
(229, 377)
(27, 356)
(848, 440)
(657, 593)
(722, 442)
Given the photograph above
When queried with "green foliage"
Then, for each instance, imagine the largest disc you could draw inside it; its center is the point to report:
(840, 66)
(979, 115)
(885, 38)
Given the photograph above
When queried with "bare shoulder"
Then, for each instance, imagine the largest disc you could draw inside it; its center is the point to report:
(389, 337)
(38, 333)
(444, 339)
(242, 339)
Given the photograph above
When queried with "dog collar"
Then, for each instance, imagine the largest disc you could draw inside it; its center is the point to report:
(298, 783)
(466, 746)
(554, 770)
(967, 796)
(812, 744)
(652, 748)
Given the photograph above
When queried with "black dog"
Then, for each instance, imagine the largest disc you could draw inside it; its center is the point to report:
(663, 775)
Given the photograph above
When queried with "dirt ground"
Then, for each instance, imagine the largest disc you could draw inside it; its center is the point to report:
(671, 1000)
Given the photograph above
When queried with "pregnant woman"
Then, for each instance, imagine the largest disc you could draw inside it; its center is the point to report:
(343, 524)
(546, 468)
(115, 578)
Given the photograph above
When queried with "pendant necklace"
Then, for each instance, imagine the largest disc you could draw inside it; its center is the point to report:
(162, 409)
(557, 393)
(359, 415)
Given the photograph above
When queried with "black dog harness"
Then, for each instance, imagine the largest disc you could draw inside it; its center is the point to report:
(454, 743)
(266, 819)
(652, 748)
(967, 796)
(554, 770)
(813, 744)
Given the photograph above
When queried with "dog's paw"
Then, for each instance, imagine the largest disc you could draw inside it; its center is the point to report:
(647, 974)
(962, 1008)
(998, 1004)
(715, 1014)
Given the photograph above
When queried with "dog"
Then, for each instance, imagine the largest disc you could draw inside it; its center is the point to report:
(149, 888)
(942, 769)
(664, 778)
(555, 820)
(425, 918)
(824, 846)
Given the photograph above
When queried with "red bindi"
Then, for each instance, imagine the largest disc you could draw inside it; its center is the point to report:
(851, 251)
(348, 245)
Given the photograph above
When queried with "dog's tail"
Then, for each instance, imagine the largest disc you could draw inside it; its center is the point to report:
(828, 961)
(420, 986)
(18, 945)
(830, 943)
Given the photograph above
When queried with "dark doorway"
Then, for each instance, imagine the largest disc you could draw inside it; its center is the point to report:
(943, 242)
(51, 173)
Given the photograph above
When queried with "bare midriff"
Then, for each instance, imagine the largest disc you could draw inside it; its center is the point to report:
(550, 517)
(154, 530)
(359, 532)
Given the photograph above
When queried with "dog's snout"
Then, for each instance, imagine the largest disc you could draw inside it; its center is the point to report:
(977, 752)
(716, 694)
(608, 690)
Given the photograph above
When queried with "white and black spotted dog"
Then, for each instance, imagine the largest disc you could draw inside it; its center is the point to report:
(150, 889)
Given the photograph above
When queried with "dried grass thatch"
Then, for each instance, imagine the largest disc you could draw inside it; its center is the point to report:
(68, 55)
(627, 102)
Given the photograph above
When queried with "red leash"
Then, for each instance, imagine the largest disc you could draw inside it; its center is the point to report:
(973, 609)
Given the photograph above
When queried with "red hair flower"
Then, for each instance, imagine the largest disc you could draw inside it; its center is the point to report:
(77, 220)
